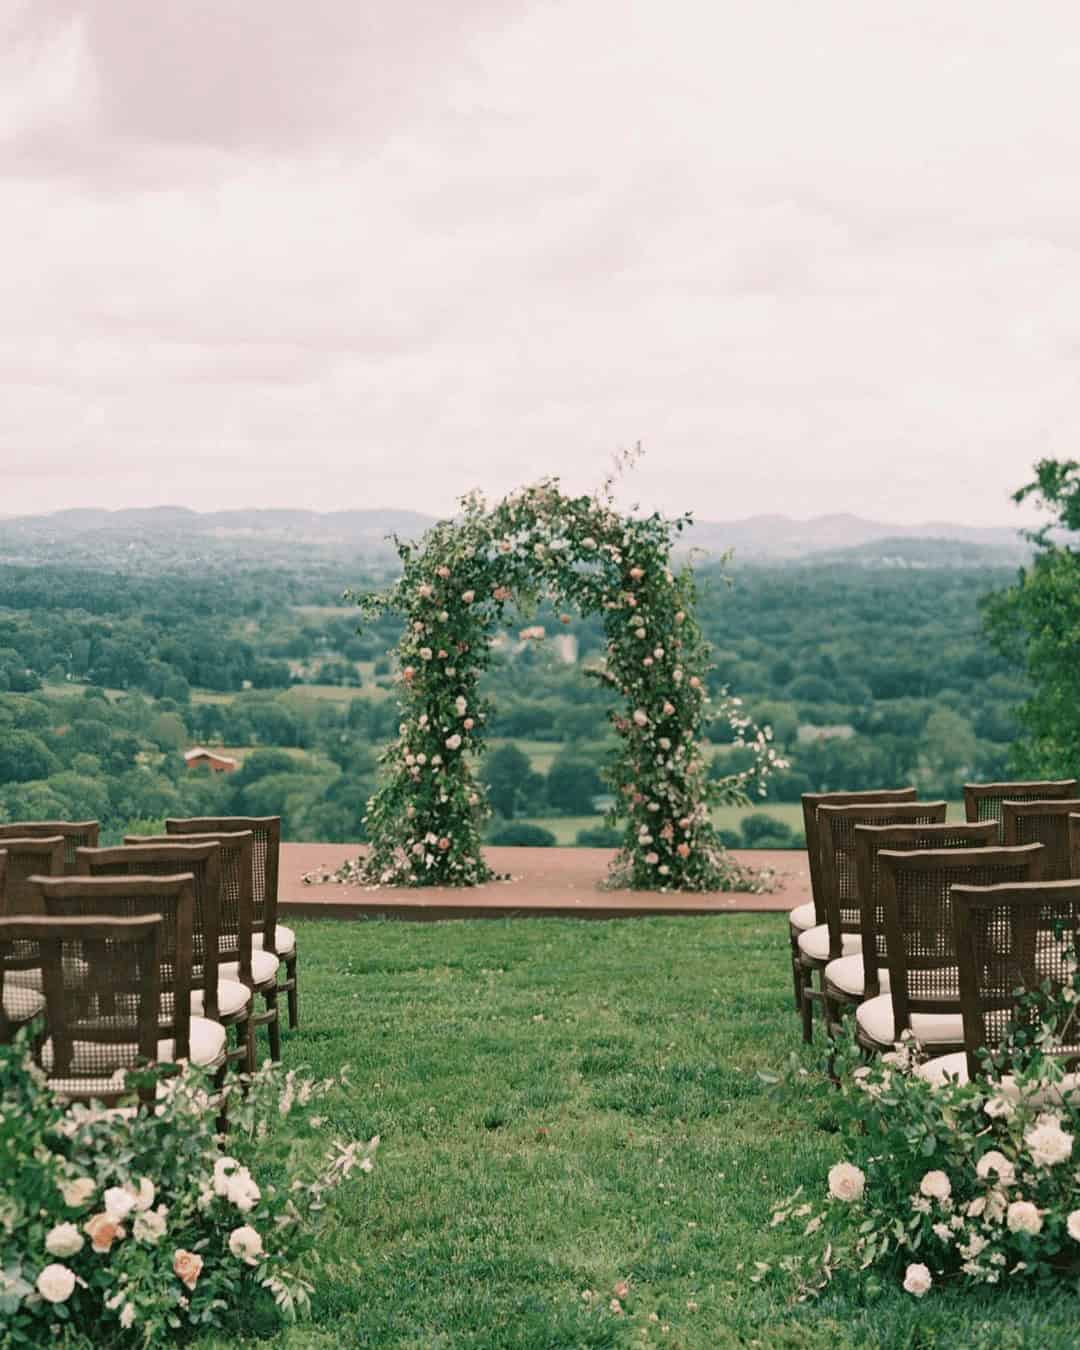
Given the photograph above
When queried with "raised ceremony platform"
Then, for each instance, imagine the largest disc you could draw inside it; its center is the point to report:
(556, 882)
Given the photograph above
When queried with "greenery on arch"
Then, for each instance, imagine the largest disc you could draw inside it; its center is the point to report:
(458, 587)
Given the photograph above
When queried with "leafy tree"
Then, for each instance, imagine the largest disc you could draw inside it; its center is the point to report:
(572, 784)
(24, 757)
(1036, 624)
(599, 836)
(511, 783)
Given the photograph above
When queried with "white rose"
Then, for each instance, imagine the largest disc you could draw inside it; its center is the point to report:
(64, 1240)
(453, 742)
(998, 1106)
(917, 1280)
(222, 1168)
(1073, 1225)
(936, 1186)
(149, 1225)
(461, 704)
(426, 653)
(77, 1193)
(468, 596)
(56, 1283)
(943, 1232)
(246, 1244)
(127, 1315)
(996, 1164)
(119, 1202)
(641, 717)
(243, 1192)
(846, 1182)
(1023, 1217)
(1048, 1142)
(145, 1197)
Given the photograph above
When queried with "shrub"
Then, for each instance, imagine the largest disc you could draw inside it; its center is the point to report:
(138, 1223)
(599, 836)
(520, 834)
(760, 826)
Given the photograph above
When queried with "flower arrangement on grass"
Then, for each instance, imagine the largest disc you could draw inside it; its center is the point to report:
(974, 1182)
(457, 585)
(138, 1225)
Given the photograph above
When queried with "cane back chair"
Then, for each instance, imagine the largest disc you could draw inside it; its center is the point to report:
(75, 834)
(914, 893)
(240, 958)
(1042, 823)
(221, 1000)
(866, 975)
(983, 801)
(26, 858)
(102, 995)
(270, 935)
(180, 1035)
(18, 1004)
(840, 936)
(812, 914)
(1074, 846)
(1010, 940)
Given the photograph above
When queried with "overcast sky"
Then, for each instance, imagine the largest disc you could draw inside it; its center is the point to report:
(818, 255)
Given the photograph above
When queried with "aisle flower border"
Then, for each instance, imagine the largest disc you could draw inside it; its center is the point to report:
(458, 586)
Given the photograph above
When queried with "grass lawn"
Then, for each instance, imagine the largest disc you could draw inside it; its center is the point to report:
(565, 1104)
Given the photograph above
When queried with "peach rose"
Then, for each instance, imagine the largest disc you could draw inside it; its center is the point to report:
(683, 850)
(103, 1231)
(187, 1266)
(408, 674)
(444, 844)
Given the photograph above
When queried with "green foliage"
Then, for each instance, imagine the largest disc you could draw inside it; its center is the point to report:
(24, 756)
(573, 783)
(512, 786)
(520, 834)
(602, 836)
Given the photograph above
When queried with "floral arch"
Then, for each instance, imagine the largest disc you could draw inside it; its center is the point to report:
(425, 822)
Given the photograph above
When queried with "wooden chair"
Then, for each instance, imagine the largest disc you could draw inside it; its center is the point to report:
(221, 1000)
(1042, 822)
(1074, 846)
(18, 1005)
(76, 834)
(837, 890)
(27, 858)
(813, 913)
(240, 958)
(851, 979)
(270, 935)
(101, 999)
(983, 801)
(180, 1035)
(1010, 939)
(914, 892)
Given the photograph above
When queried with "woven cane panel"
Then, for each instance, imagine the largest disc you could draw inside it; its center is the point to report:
(842, 830)
(165, 867)
(1019, 948)
(21, 898)
(1052, 830)
(921, 841)
(259, 864)
(989, 808)
(130, 907)
(94, 1034)
(232, 862)
(924, 909)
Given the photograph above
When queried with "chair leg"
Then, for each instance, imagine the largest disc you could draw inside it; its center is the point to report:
(796, 969)
(807, 1007)
(273, 1024)
(293, 987)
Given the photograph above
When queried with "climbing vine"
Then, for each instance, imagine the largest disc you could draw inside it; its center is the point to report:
(459, 586)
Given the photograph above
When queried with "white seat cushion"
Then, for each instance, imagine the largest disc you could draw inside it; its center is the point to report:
(207, 1047)
(232, 997)
(264, 968)
(803, 917)
(847, 973)
(284, 940)
(937, 1070)
(875, 1019)
(815, 942)
(32, 979)
(20, 1004)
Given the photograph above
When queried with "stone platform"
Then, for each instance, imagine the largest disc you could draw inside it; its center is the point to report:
(556, 882)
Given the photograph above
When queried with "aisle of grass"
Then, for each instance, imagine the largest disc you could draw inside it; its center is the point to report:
(567, 1104)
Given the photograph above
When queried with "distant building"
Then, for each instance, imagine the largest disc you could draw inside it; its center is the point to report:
(807, 734)
(199, 758)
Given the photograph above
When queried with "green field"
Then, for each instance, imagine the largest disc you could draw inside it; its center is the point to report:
(564, 1105)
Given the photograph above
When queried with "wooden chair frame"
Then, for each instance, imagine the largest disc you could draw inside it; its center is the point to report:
(903, 961)
(1019, 820)
(75, 834)
(982, 801)
(1074, 845)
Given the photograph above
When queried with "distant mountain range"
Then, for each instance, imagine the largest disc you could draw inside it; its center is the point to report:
(172, 534)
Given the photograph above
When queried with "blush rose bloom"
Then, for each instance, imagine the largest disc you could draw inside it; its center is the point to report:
(917, 1280)
(1023, 1217)
(936, 1186)
(103, 1230)
(187, 1267)
(1048, 1142)
(64, 1240)
(246, 1244)
(56, 1283)
(1073, 1225)
(995, 1163)
(846, 1182)
(77, 1192)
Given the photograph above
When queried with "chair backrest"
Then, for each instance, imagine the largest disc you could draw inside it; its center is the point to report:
(810, 803)
(983, 801)
(75, 834)
(1010, 940)
(1074, 846)
(836, 841)
(915, 895)
(235, 924)
(265, 855)
(1043, 822)
(869, 841)
(172, 898)
(203, 861)
(28, 857)
(100, 980)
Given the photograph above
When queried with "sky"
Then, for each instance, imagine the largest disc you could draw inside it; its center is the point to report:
(816, 257)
